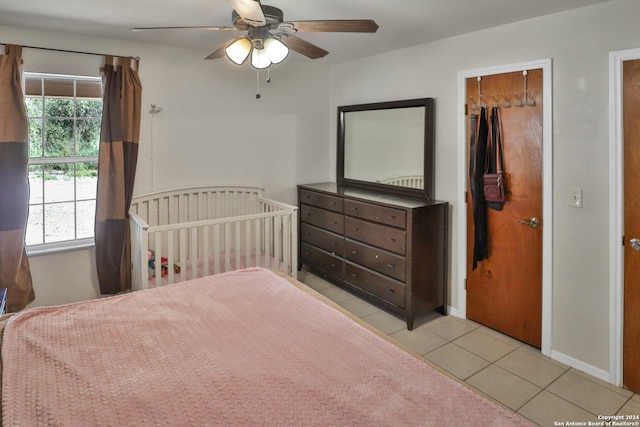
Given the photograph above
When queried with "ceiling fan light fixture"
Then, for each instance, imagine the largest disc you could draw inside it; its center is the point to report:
(239, 50)
(276, 50)
(260, 59)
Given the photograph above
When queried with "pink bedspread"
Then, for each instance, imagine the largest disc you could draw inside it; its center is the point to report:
(241, 348)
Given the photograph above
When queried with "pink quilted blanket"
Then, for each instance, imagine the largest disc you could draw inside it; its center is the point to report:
(240, 348)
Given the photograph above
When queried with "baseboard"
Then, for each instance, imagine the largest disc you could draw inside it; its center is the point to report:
(596, 372)
(455, 312)
(601, 374)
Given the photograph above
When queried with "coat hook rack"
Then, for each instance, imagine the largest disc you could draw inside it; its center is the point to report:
(524, 99)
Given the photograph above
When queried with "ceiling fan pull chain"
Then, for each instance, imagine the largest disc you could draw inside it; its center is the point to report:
(257, 83)
(268, 74)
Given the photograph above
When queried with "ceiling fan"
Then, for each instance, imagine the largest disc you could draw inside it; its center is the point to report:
(269, 37)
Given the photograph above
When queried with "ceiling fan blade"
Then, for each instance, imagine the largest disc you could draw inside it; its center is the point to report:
(215, 28)
(304, 47)
(250, 11)
(337, 26)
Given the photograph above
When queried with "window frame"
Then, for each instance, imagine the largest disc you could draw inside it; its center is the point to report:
(75, 243)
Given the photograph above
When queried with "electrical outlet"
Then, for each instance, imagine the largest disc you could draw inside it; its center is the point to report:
(575, 198)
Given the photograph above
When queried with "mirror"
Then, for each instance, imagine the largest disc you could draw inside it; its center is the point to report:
(387, 146)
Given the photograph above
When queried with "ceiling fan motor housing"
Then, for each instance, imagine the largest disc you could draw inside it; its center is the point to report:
(272, 15)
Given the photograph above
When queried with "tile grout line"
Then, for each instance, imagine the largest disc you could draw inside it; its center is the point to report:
(514, 349)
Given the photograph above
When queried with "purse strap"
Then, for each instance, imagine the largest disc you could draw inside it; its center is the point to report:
(494, 160)
(496, 122)
(490, 154)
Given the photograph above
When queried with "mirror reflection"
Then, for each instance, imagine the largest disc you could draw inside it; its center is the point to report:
(385, 146)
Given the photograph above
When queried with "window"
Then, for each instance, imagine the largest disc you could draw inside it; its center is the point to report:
(64, 114)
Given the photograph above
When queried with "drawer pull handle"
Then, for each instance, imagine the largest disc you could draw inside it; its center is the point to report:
(392, 239)
(333, 243)
(391, 291)
(354, 209)
(392, 217)
(354, 252)
(354, 275)
(333, 266)
(355, 228)
(307, 253)
(335, 222)
(391, 265)
(333, 203)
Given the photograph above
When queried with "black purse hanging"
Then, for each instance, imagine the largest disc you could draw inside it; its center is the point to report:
(495, 190)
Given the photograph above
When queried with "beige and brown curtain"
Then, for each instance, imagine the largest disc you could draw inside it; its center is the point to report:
(117, 161)
(14, 185)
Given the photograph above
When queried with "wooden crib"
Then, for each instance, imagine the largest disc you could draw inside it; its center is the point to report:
(184, 234)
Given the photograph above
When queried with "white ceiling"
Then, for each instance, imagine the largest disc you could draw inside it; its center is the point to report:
(402, 22)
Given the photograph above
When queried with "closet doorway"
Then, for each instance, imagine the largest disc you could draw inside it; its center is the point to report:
(631, 233)
(505, 291)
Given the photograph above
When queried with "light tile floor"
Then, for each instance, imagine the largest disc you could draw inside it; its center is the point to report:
(545, 391)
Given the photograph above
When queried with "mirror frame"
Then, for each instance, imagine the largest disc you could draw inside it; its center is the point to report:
(429, 132)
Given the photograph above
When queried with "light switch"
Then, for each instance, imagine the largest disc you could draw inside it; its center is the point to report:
(575, 198)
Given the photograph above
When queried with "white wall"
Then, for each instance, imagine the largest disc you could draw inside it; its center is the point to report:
(213, 130)
(578, 43)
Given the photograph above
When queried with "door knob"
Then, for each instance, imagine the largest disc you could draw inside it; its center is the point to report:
(635, 243)
(533, 222)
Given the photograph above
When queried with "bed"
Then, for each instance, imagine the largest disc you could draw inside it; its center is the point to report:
(247, 347)
(183, 234)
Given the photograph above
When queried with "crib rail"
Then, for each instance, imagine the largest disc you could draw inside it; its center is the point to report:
(412, 181)
(247, 231)
(177, 206)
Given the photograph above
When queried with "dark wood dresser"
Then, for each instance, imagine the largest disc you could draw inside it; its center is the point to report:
(391, 249)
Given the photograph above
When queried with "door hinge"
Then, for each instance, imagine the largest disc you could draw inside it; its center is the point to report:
(466, 196)
(623, 240)
(465, 284)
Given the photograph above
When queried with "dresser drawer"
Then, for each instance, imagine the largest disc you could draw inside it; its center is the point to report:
(323, 239)
(322, 218)
(376, 259)
(320, 200)
(322, 260)
(391, 239)
(377, 213)
(388, 289)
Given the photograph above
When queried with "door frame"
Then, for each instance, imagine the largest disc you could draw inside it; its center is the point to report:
(616, 211)
(547, 188)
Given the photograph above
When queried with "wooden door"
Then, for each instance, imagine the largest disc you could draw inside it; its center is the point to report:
(505, 291)
(631, 121)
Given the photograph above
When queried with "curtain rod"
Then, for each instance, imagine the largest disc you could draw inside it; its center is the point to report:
(137, 58)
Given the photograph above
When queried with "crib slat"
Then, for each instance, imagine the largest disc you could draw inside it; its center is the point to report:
(157, 265)
(286, 242)
(227, 246)
(206, 255)
(258, 240)
(277, 241)
(268, 242)
(247, 243)
(237, 244)
(170, 258)
(216, 249)
(194, 253)
(182, 253)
